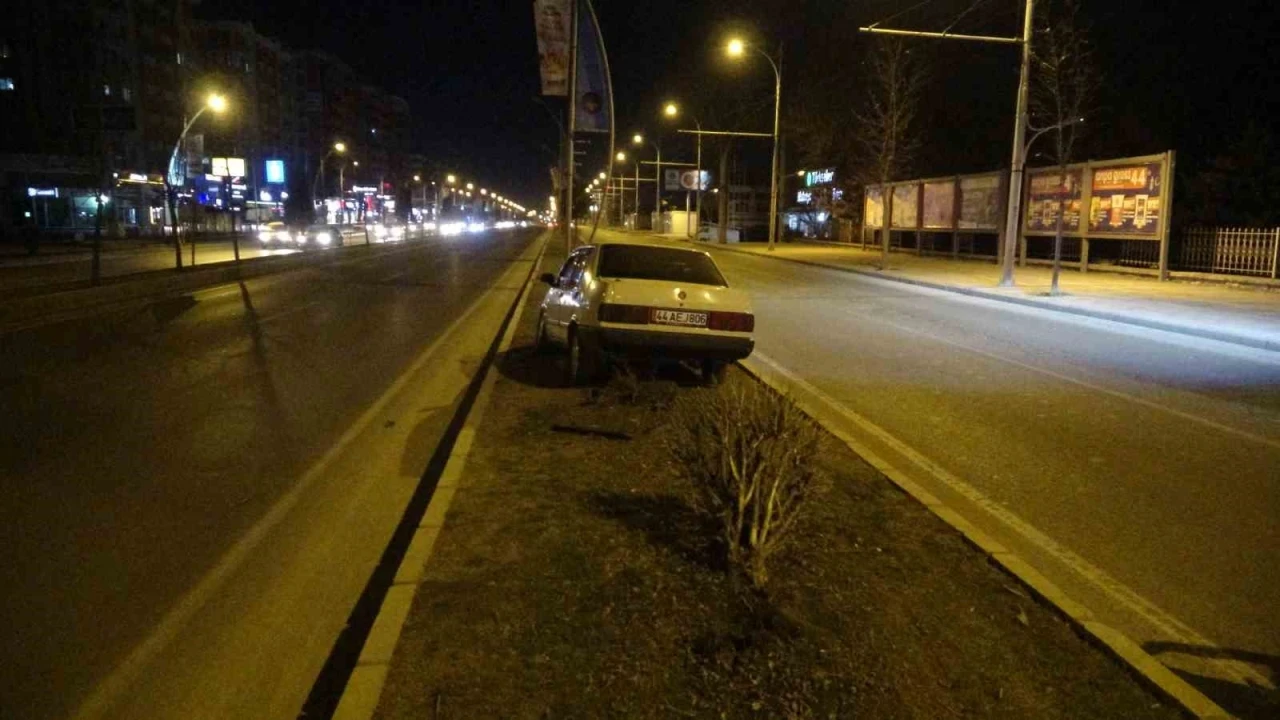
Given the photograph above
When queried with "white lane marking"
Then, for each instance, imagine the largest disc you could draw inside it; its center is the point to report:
(1086, 384)
(106, 693)
(1117, 591)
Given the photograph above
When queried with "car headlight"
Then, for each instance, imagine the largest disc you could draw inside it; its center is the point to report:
(397, 231)
(324, 238)
(264, 236)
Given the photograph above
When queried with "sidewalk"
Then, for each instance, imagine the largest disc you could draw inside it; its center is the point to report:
(1243, 315)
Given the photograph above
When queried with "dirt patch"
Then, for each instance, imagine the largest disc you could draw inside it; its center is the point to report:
(574, 579)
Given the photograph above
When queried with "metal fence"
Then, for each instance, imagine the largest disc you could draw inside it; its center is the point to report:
(1232, 251)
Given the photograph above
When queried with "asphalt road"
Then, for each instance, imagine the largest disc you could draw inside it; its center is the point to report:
(196, 487)
(20, 273)
(1155, 458)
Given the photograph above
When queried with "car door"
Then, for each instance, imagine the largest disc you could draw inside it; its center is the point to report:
(563, 300)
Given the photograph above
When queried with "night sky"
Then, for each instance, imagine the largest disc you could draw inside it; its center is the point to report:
(1179, 75)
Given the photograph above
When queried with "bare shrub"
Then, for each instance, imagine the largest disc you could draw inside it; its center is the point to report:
(751, 454)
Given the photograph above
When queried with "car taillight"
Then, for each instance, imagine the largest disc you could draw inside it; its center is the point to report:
(732, 321)
(630, 314)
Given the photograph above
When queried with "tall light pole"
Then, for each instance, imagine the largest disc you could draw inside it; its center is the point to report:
(736, 48)
(672, 110)
(173, 178)
(338, 147)
(622, 194)
(1014, 216)
(638, 139)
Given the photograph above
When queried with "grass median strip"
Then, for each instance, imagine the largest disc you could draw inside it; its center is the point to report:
(574, 577)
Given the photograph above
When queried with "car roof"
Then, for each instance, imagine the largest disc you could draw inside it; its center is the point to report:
(643, 243)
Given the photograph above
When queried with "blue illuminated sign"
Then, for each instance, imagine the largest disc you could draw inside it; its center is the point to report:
(275, 171)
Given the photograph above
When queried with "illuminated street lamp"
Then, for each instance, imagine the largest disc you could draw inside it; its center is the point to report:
(471, 186)
(736, 48)
(671, 111)
(638, 139)
(621, 156)
(451, 179)
(338, 147)
(218, 104)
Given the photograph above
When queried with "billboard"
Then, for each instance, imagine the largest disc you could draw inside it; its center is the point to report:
(939, 204)
(677, 179)
(980, 202)
(1050, 192)
(551, 22)
(1127, 200)
(905, 206)
(873, 208)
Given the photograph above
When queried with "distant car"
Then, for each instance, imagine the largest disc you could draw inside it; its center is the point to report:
(278, 235)
(634, 300)
(388, 232)
(319, 237)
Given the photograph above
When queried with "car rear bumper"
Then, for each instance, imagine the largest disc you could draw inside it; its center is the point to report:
(652, 343)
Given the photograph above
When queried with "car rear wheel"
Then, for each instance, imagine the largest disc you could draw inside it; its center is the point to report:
(542, 343)
(583, 363)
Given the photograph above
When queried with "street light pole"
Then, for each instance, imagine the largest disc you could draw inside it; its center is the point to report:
(214, 102)
(736, 48)
(1013, 221)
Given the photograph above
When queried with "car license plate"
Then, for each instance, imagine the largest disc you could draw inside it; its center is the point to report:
(680, 317)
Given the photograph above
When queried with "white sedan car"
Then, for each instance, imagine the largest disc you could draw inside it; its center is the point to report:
(636, 300)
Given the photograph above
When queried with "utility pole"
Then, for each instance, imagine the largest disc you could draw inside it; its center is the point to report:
(1013, 219)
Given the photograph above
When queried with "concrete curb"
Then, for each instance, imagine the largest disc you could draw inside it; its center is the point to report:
(364, 688)
(17, 312)
(1149, 670)
(1204, 333)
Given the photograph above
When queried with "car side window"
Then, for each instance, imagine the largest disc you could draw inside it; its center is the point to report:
(566, 272)
(571, 274)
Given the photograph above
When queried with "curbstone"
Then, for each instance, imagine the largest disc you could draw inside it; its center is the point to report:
(1145, 667)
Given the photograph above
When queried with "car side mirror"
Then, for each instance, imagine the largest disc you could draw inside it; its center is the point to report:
(548, 278)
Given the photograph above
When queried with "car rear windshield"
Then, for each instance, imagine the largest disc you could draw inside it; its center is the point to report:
(644, 262)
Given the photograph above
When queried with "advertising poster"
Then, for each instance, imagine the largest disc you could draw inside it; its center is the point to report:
(1126, 200)
(939, 204)
(980, 203)
(905, 210)
(594, 90)
(1050, 192)
(551, 21)
(873, 210)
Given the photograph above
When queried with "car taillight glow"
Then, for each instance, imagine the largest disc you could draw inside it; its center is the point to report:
(629, 314)
(732, 321)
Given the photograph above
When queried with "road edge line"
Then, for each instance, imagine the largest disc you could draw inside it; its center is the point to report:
(1203, 334)
(363, 690)
(1115, 643)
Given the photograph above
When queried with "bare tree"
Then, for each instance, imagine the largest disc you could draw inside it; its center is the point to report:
(1064, 83)
(885, 138)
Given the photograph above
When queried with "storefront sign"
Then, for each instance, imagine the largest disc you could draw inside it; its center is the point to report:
(825, 176)
(42, 192)
(804, 197)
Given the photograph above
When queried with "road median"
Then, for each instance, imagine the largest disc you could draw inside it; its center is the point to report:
(573, 575)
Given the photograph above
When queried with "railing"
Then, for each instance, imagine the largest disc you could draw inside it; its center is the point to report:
(1232, 251)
